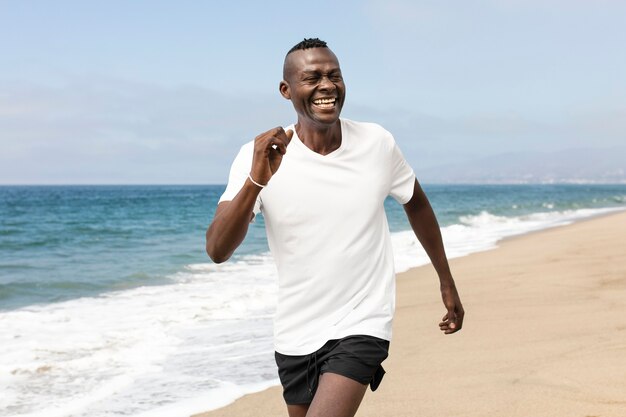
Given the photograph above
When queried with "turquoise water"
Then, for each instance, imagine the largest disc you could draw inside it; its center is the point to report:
(109, 305)
(63, 242)
(59, 243)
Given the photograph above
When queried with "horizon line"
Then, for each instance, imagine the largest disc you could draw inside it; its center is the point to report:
(571, 182)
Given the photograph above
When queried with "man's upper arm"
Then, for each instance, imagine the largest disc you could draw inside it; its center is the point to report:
(413, 202)
(223, 205)
(239, 171)
(401, 187)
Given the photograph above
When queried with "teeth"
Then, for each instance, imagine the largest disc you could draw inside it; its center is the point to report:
(324, 100)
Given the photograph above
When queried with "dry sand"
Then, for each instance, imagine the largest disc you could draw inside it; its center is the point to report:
(544, 334)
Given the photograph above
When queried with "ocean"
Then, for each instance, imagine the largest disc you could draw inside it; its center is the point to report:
(109, 305)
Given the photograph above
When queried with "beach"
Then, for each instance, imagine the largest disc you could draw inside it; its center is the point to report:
(110, 306)
(544, 334)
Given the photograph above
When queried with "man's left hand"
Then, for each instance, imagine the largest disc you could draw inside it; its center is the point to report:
(453, 320)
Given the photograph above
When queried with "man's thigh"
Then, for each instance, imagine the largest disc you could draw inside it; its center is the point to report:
(297, 410)
(337, 396)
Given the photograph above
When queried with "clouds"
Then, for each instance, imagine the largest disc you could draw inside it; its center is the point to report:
(131, 93)
(116, 131)
(113, 130)
(528, 57)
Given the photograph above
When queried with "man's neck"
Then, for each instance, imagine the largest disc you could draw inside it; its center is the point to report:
(322, 139)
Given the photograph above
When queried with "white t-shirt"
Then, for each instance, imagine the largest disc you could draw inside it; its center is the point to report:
(327, 231)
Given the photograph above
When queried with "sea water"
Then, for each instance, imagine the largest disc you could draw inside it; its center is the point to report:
(109, 305)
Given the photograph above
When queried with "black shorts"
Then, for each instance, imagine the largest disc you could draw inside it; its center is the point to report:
(356, 357)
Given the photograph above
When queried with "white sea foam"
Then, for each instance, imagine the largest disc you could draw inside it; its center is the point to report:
(134, 351)
(482, 232)
(174, 350)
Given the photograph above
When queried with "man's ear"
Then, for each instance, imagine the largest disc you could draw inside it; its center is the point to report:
(283, 87)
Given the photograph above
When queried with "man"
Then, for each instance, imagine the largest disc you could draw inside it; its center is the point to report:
(321, 185)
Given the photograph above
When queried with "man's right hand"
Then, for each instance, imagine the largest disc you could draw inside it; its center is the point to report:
(269, 148)
(231, 220)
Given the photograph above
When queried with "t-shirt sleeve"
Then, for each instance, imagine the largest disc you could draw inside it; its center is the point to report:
(402, 177)
(239, 171)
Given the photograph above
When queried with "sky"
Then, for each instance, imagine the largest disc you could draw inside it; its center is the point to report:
(156, 92)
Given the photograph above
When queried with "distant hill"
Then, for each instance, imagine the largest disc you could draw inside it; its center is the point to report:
(566, 166)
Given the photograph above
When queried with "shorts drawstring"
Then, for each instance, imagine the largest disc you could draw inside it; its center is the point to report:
(308, 370)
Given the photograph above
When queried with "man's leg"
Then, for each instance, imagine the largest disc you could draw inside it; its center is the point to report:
(298, 410)
(336, 396)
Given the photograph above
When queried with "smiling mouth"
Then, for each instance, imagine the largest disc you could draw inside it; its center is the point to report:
(325, 103)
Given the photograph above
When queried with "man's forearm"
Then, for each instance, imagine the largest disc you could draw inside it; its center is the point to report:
(230, 224)
(425, 226)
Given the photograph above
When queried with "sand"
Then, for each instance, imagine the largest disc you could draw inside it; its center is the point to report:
(544, 334)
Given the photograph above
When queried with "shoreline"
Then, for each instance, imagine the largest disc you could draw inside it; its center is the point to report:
(613, 211)
(417, 341)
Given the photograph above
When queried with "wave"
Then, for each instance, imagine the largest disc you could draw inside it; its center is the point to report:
(186, 347)
(476, 233)
(128, 352)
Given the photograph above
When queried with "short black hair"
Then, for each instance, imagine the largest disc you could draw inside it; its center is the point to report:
(308, 43)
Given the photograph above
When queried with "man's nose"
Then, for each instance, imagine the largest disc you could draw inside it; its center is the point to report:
(326, 84)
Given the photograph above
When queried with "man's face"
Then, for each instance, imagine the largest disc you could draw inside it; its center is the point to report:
(313, 83)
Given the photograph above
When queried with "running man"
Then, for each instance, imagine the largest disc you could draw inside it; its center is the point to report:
(321, 185)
